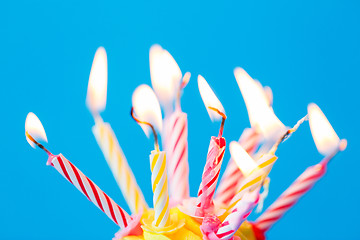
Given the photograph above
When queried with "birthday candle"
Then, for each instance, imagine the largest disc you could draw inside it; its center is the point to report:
(255, 178)
(241, 211)
(266, 128)
(119, 166)
(159, 183)
(33, 127)
(165, 78)
(232, 176)
(176, 147)
(261, 115)
(264, 165)
(147, 109)
(215, 154)
(328, 144)
(105, 137)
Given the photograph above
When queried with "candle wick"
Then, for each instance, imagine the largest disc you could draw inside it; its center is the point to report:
(288, 133)
(222, 121)
(38, 144)
(132, 113)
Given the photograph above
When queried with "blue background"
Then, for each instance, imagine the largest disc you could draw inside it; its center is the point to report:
(307, 51)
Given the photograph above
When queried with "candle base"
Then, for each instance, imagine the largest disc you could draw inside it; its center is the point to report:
(133, 229)
(148, 226)
(188, 207)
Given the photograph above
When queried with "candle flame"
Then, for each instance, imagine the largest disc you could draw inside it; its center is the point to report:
(269, 94)
(185, 80)
(165, 75)
(210, 100)
(35, 129)
(242, 159)
(97, 87)
(325, 137)
(147, 108)
(258, 102)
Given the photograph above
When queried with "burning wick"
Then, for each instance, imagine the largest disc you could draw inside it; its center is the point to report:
(38, 144)
(183, 84)
(288, 133)
(149, 124)
(222, 121)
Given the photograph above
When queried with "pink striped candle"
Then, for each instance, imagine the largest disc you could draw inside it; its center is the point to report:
(241, 211)
(33, 127)
(290, 197)
(232, 177)
(294, 192)
(210, 175)
(90, 190)
(176, 147)
(328, 144)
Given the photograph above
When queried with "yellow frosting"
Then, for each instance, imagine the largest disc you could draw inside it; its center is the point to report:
(182, 227)
(245, 232)
(133, 238)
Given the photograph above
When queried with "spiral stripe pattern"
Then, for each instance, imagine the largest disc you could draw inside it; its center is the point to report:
(290, 197)
(232, 176)
(210, 175)
(241, 211)
(254, 180)
(91, 190)
(119, 166)
(177, 154)
(159, 183)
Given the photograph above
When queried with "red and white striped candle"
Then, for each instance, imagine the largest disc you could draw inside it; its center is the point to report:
(210, 175)
(328, 144)
(176, 147)
(90, 190)
(241, 211)
(232, 177)
(34, 128)
(290, 197)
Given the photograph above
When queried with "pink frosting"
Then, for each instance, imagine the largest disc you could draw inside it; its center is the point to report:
(209, 227)
(133, 228)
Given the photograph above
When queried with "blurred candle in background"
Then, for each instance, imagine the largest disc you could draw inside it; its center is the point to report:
(105, 136)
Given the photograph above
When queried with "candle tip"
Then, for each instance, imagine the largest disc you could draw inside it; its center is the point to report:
(343, 144)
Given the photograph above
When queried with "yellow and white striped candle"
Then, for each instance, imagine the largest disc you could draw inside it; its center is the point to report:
(159, 184)
(255, 178)
(96, 102)
(119, 166)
